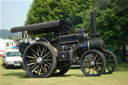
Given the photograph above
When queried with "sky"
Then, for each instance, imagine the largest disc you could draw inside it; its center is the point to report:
(13, 13)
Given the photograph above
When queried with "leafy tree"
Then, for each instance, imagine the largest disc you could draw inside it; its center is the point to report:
(113, 22)
(48, 10)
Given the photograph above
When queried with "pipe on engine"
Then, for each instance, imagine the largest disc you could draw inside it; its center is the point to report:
(93, 22)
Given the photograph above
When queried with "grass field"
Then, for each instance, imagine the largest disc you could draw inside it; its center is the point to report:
(72, 77)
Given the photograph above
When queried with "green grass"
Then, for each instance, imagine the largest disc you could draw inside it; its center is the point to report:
(72, 77)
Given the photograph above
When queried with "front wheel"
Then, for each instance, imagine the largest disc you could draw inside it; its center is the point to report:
(111, 62)
(92, 63)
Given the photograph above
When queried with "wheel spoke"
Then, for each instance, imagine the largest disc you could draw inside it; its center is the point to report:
(99, 63)
(34, 55)
(95, 57)
(34, 65)
(46, 55)
(42, 68)
(42, 52)
(98, 67)
(98, 59)
(110, 65)
(45, 68)
(89, 70)
(31, 63)
(34, 51)
(39, 71)
(95, 69)
(45, 50)
(49, 63)
(49, 56)
(38, 52)
(32, 60)
(35, 68)
(86, 63)
(47, 60)
(89, 58)
(108, 68)
(31, 57)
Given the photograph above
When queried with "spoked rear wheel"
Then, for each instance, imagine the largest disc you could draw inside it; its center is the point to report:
(111, 62)
(92, 63)
(39, 60)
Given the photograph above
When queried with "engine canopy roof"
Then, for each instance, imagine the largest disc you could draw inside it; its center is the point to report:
(46, 27)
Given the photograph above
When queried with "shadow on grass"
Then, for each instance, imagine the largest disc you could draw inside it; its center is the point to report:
(24, 75)
(20, 75)
(60, 75)
(78, 75)
(11, 67)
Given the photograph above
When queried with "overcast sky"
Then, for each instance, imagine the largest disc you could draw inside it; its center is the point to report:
(13, 13)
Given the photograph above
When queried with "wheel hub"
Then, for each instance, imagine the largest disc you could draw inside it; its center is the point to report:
(92, 63)
(39, 60)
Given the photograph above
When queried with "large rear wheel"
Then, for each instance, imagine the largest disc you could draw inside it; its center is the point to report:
(39, 59)
(92, 63)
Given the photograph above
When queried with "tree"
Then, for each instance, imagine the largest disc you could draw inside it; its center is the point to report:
(113, 22)
(48, 10)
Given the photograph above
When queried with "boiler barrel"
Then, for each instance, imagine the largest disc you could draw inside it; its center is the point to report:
(95, 43)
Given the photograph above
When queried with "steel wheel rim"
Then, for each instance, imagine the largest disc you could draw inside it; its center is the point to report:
(38, 60)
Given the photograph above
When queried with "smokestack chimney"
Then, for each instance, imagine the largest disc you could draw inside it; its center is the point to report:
(93, 23)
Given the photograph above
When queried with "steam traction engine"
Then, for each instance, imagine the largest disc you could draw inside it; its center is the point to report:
(55, 53)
